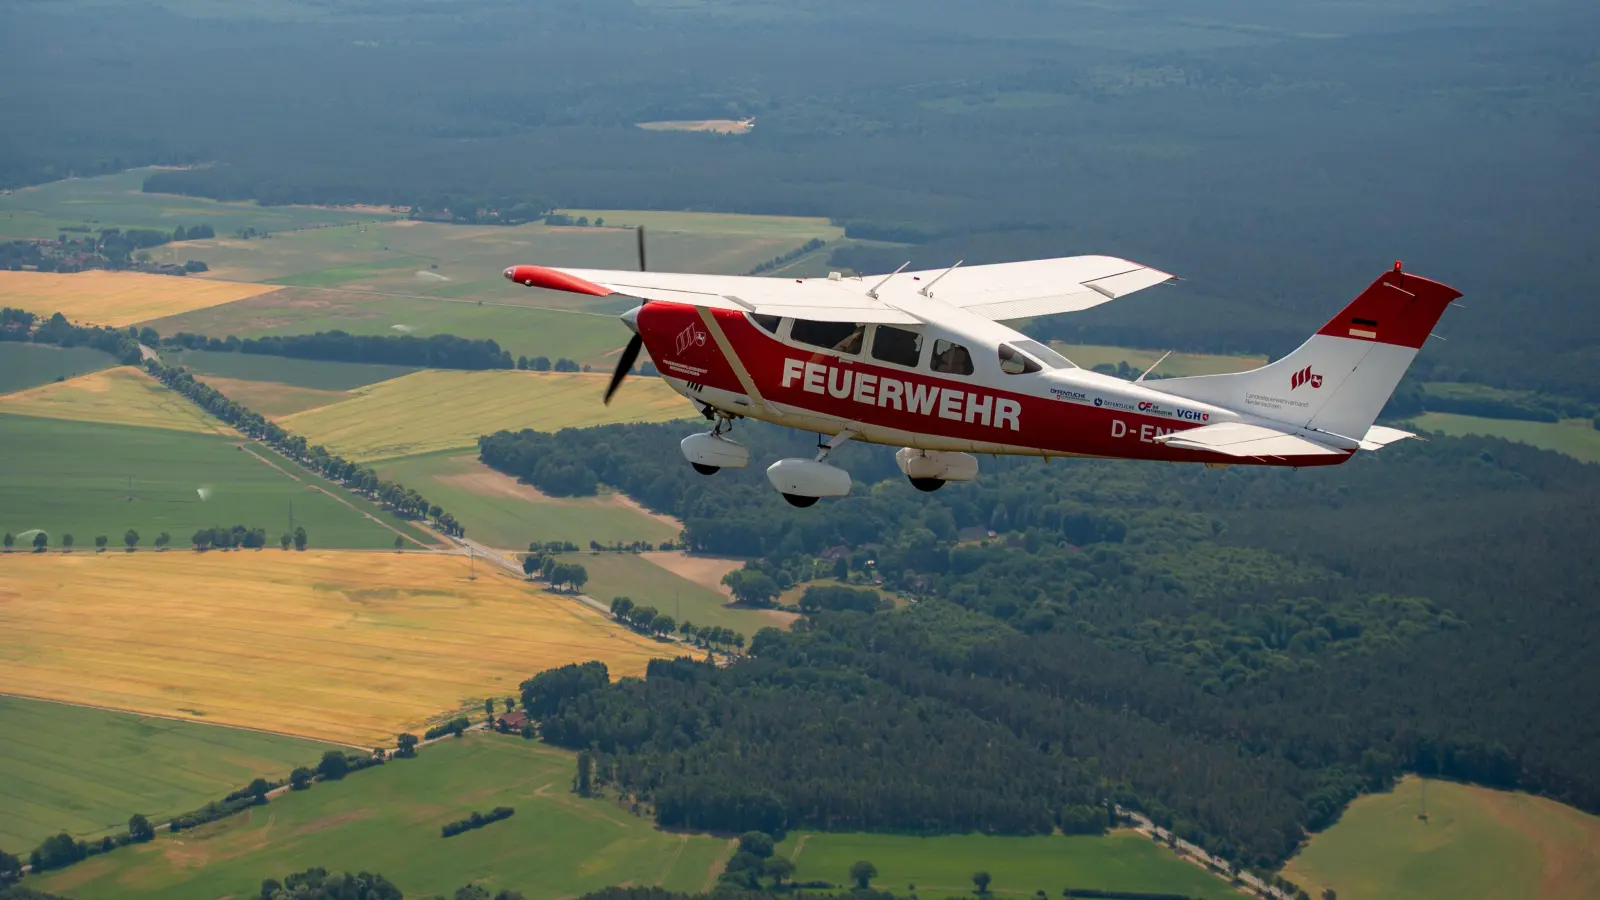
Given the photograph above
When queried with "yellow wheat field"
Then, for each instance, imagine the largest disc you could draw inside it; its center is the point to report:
(352, 647)
(125, 395)
(117, 298)
(438, 410)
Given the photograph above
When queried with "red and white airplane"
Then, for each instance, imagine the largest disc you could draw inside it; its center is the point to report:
(924, 361)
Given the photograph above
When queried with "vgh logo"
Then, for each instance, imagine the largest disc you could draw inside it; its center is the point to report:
(690, 337)
(1305, 376)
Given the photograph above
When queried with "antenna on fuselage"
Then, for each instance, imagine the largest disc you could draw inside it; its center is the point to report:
(929, 286)
(874, 292)
(1153, 366)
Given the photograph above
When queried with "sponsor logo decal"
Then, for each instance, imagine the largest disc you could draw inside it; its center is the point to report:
(1099, 402)
(910, 396)
(691, 337)
(1060, 394)
(1193, 416)
(1305, 376)
(1150, 407)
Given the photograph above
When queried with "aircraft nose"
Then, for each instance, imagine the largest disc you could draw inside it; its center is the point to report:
(510, 273)
(631, 318)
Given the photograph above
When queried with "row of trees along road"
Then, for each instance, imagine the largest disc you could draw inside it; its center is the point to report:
(215, 537)
(394, 496)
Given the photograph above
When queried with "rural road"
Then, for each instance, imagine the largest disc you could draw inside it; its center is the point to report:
(1217, 866)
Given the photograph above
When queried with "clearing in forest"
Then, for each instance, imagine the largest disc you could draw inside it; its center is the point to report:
(1577, 438)
(85, 771)
(124, 395)
(1475, 844)
(341, 646)
(118, 298)
(388, 819)
(438, 409)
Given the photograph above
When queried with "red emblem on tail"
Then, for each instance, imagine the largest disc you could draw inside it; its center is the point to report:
(1305, 376)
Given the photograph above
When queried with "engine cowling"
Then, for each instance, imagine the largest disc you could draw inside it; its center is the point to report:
(936, 465)
(808, 478)
(714, 452)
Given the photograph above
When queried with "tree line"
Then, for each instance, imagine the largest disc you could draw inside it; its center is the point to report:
(21, 325)
(1299, 639)
(439, 351)
(476, 820)
(397, 498)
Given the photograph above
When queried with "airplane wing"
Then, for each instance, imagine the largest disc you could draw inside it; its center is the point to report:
(999, 291)
(1242, 439)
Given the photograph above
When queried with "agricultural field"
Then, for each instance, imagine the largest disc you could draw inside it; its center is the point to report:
(439, 409)
(1177, 365)
(338, 646)
(124, 395)
(118, 201)
(304, 373)
(85, 771)
(273, 399)
(388, 819)
(632, 575)
(590, 338)
(23, 366)
(1577, 438)
(87, 479)
(100, 297)
(1476, 844)
(500, 512)
(940, 866)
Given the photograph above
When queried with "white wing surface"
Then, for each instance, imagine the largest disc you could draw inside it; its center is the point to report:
(1000, 291)
(1243, 439)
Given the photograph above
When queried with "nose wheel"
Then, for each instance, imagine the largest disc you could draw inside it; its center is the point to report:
(927, 485)
(704, 469)
(800, 501)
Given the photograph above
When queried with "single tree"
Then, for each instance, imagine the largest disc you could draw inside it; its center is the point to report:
(299, 537)
(100, 542)
(778, 869)
(66, 541)
(620, 607)
(399, 542)
(756, 843)
(981, 880)
(10, 541)
(162, 540)
(488, 706)
(40, 542)
(284, 540)
(10, 866)
(300, 778)
(333, 766)
(258, 789)
(530, 565)
(585, 773)
(1330, 894)
(131, 538)
(577, 576)
(406, 745)
(862, 874)
(140, 830)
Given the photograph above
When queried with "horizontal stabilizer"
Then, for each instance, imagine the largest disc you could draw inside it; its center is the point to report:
(1380, 436)
(1242, 439)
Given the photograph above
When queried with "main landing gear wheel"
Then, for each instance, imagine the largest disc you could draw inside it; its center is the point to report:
(704, 469)
(797, 500)
(927, 485)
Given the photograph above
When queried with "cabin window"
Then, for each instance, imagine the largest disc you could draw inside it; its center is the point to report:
(951, 359)
(1013, 362)
(1044, 354)
(897, 345)
(769, 324)
(840, 337)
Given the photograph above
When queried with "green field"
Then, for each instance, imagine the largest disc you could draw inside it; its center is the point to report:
(23, 366)
(388, 821)
(1476, 844)
(117, 201)
(502, 513)
(306, 373)
(520, 330)
(90, 478)
(613, 575)
(1177, 365)
(85, 771)
(937, 866)
(1577, 438)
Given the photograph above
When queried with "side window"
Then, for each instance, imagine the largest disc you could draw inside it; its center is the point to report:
(1014, 363)
(897, 345)
(769, 324)
(840, 337)
(951, 359)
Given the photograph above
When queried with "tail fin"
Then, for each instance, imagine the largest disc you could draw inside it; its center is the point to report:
(1339, 380)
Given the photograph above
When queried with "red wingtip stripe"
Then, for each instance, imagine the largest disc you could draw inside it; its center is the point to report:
(555, 280)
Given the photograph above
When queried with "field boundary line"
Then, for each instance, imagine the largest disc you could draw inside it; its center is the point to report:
(245, 446)
(372, 293)
(151, 715)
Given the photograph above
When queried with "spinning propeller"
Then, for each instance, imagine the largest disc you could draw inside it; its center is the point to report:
(630, 353)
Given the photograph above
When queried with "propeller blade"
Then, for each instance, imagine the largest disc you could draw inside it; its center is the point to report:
(639, 230)
(630, 353)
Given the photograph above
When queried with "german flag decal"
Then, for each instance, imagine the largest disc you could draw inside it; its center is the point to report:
(1364, 328)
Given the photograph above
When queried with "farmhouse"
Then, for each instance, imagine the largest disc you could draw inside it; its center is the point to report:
(512, 721)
